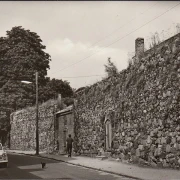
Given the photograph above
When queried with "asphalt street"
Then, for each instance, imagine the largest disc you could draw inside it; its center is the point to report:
(29, 167)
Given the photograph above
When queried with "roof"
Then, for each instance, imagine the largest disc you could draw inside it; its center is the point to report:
(65, 111)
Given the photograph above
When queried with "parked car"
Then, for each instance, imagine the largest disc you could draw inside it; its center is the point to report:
(3, 156)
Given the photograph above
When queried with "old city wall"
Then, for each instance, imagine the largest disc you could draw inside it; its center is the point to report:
(23, 128)
(142, 103)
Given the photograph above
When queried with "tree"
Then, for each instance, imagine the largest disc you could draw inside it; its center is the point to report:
(54, 87)
(110, 68)
(68, 101)
(21, 54)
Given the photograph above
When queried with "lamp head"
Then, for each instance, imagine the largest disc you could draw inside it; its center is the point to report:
(26, 82)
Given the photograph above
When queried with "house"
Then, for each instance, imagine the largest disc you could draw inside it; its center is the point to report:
(64, 126)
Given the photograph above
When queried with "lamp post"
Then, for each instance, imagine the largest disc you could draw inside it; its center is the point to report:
(37, 113)
(37, 118)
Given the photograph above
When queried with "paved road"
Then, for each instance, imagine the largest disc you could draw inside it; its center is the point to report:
(29, 167)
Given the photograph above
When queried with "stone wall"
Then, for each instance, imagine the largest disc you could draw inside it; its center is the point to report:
(23, 128)
(142, 103)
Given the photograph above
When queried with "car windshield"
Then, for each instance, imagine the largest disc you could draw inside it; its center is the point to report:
(0, 146)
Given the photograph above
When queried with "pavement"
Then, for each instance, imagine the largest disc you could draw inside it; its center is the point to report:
(112, 166)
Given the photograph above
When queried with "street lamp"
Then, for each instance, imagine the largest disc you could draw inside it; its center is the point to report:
(37, 112)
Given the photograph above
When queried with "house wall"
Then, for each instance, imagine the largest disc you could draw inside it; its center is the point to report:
(66, 127)
(142, 103)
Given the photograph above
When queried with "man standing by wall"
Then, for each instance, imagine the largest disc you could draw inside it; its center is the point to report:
(69, 145)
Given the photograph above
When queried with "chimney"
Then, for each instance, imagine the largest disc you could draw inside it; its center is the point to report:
(139, 47)
(59, 102)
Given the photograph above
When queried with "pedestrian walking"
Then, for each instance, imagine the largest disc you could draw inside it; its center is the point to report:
(69, 145)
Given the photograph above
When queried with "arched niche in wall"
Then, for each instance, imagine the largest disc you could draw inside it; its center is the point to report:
(108, 130)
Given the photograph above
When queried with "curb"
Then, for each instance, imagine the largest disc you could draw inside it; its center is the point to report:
(101, 170)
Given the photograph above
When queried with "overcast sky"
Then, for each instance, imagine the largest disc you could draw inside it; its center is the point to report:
(80, 36)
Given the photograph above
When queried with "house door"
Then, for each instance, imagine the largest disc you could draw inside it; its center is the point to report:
(108, 134)
(64, 139)
(65, 132)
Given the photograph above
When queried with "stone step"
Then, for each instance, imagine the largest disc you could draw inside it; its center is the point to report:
(101, 157)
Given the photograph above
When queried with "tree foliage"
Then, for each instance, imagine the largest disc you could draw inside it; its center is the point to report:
(53, 87)
(110, 68)
(21, 54)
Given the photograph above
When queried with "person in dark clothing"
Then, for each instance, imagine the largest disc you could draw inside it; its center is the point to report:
(69, 145)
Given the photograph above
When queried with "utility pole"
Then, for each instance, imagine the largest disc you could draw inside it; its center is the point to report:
(37, 118)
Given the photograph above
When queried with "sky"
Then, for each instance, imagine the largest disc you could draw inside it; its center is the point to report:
(81, 35)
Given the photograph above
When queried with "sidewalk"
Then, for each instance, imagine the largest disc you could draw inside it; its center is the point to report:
(128, 170)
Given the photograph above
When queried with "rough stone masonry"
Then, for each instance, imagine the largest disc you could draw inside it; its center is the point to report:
(23, 128)
(141, 104)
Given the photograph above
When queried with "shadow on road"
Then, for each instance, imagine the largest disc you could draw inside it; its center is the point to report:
(17, 167)
(27, 160)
